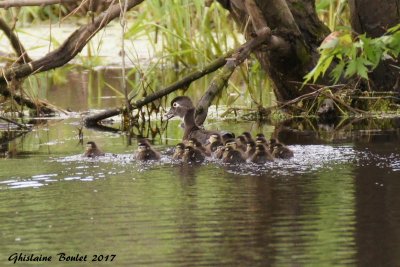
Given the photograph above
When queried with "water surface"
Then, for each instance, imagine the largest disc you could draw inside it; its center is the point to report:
(336, 203)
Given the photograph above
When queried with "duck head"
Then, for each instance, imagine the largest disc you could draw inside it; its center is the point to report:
(179, 148)
(179, 107)
(143, 144)
(90, 145)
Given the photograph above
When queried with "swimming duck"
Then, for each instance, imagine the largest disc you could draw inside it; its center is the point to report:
(262, 141)
(196, 144)
(192, 155)
(179, 151)
(261, 155)
(232, 156)
(250, 149)
(248, 137)
(282, 152)
(92, 150)
(241, 143)
(219, 152)
(145, 152)
(213, 142)
(183, 107)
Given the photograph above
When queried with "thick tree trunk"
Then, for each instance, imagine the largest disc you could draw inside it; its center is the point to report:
(295, 22)
(374, 18)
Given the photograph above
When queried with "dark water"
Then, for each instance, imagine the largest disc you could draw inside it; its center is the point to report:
(335, 204)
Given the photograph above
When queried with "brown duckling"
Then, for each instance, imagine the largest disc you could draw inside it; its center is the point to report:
(179, 151)
(262, 141)
(145, 152)
(92, 150)
(282, 152)
(183, 107)
(193, 155)
(219, 152)
(241, 143)
(232, 156)
(213, 142)
(261, 155)
(250, 149)
(248, 137)
(227, 136)
(196, 144)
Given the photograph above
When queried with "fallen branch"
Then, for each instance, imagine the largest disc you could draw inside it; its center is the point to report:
(221, 80)
(19, 3)
(20, 125)
(15, 43)
(181, 84)
(62, 55)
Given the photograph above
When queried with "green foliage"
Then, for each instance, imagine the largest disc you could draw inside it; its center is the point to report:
(354, 57)
(184, 32)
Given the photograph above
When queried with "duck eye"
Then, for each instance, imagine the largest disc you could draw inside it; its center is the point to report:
(175, 105)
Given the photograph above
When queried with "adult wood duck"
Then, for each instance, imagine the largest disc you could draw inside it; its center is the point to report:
(92, 150)
(182, 106)
(145, 152)
(193, 155)
(261, 155)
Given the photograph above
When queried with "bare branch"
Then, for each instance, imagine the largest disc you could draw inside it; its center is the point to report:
(16, 44)
(62, 55)
(20, 3)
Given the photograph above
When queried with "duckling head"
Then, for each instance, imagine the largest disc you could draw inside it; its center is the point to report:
(179, 107)
(214, 138)
(91, 145)
(143, 146)
(180, 147)
(231, 143)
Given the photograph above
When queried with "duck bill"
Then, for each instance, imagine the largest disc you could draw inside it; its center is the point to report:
(169, 115)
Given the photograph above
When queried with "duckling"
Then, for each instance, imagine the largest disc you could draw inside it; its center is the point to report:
(250, 149)
(282, 152)
(232, 156)
(248, 137)
(145, 152)
(219, 152)
(213, 142)
(196, 144)
(241, 143)
(182, 106)
(261, 155)
(260, 135)
(262, 141)
(192, 155)
(92, 150)
(179, 151)
(226, 136)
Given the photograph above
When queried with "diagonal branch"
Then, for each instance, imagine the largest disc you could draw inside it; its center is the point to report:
(16, 44)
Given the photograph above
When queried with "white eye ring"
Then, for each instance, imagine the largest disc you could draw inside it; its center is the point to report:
(175, 105)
